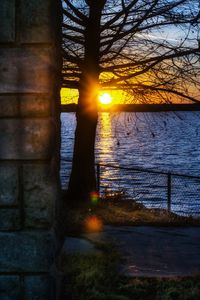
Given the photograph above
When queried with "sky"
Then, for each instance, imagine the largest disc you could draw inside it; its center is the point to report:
(170, 34)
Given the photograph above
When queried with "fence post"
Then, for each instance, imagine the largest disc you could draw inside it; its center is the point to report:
(98, 178)
(169, 189)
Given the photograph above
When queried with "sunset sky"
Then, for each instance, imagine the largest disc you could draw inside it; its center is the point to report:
(118, 97)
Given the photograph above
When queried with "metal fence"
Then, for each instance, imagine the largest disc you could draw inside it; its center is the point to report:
(175, 192)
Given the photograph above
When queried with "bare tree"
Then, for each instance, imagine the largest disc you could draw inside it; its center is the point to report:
(150, 49)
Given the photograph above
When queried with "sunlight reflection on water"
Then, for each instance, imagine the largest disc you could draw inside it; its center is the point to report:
(105, 152)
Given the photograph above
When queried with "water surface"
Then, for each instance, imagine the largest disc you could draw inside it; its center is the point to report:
(162, 141)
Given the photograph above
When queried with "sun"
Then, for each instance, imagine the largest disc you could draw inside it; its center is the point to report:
(105, 98)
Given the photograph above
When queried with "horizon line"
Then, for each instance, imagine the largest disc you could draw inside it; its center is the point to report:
(72, 107)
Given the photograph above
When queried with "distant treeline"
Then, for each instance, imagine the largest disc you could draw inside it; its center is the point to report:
(138, 107)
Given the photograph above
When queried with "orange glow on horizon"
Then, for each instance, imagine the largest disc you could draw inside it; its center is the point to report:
(69, 96)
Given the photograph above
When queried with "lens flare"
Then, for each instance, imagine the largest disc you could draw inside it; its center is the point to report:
(94, 197)
(93, 224)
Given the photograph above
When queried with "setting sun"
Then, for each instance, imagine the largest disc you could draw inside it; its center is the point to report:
(105, 98)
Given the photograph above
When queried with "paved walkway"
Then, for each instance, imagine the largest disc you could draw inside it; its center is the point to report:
(155, 251)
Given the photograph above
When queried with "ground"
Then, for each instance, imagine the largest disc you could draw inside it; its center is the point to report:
(114, 210)
(93, 263)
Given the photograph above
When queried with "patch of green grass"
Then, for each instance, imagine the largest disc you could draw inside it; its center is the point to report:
(93, 276)
(163, 289)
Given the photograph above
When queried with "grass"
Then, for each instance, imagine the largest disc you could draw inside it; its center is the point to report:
(92, 276)
(115, 210)
(96, 277)
(163, 289)
(119, 211)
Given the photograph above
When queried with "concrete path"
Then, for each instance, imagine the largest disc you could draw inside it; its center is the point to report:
(155, 251)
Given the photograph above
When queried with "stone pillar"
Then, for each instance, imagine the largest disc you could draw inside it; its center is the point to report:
(29, 146)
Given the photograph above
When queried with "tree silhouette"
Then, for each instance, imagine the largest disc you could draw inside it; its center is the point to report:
(150, 49)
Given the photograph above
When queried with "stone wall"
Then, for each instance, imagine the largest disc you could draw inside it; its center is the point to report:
(29, 146)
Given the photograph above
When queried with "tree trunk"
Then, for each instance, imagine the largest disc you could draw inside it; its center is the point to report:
(83, 180)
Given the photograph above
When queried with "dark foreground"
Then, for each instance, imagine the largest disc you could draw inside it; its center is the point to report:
(123, 261)
(157, 263)
(154, 251)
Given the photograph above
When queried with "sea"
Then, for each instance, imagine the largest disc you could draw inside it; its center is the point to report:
(138, 152)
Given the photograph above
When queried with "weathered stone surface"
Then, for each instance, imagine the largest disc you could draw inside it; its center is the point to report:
(9, 219)
(28, 67)
(7, 21)
(10, 287)
(26, 139)
(35, 21)
(38, 288)
(35, 105)
(25, 106)
(9, 189)
(39, 196)
(26, 251)
(8, 106)
(38, 216)
(25, 70)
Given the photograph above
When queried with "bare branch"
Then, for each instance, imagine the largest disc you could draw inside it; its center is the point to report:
(72, 18)
(119, 15)
(76, 39)
(76, 11)
(72, 28)
(177, 53)
(151, 46)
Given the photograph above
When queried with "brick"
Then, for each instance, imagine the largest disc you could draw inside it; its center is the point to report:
(9, 190)
(9, 219)
(7, 21)
(25, 106)
(26, 70)
(35, 21)
(26, 138)
(39, 196)
(38, 288)
(26, 251)
(10, 287)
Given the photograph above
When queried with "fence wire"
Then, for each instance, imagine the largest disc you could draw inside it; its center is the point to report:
(175, 192)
